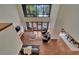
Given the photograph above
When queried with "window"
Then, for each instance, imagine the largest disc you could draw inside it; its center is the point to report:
(37, 26)
(36, 10)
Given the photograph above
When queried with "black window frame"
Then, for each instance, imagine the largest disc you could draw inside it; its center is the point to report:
(25, 12)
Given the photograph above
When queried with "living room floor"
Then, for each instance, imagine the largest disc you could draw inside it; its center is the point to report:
(53, 47)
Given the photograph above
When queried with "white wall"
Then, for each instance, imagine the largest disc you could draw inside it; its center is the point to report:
(9, 13)
(10, 43)
(21, 15)
(68, 18)
(71, 23)
(53, 17)
(58, 23)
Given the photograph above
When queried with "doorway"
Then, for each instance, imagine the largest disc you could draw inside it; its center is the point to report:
(37, 26)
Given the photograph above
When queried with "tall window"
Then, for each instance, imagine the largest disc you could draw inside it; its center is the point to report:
(36, 10)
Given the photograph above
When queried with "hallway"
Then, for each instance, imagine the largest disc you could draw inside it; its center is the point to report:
(53, 47)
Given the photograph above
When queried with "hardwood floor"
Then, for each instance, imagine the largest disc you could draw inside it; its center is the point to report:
(53, 47)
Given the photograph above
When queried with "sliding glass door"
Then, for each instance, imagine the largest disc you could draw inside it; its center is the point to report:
(37, 26)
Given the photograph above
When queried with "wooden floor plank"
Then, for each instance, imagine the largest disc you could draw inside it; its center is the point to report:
(53, 47)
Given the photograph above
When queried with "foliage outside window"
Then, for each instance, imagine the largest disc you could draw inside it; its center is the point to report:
(36, 10)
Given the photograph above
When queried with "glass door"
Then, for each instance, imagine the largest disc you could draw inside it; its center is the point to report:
(37, 26)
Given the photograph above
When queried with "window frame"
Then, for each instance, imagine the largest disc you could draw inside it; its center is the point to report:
(25, 12)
